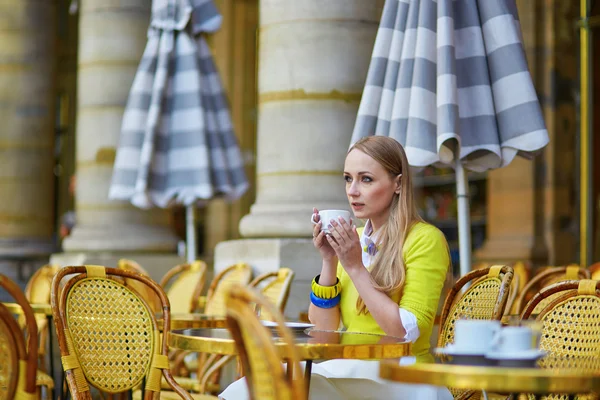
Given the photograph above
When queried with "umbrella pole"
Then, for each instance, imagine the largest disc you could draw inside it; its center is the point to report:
(464, 219)
(190, 233)
(585, 141)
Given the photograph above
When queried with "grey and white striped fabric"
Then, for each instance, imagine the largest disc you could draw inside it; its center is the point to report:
(177, 143)
(448, 75)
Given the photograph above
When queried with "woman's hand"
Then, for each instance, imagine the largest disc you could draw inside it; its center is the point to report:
(319, 240)
(344, 240)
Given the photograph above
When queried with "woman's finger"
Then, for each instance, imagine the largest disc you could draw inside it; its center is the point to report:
(317, 229)
(333, 243)
(334, 231)
(345, 230)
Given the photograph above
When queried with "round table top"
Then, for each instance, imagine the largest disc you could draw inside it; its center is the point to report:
(311, 344)
(187, 321)
(495, 379)
(41, 308)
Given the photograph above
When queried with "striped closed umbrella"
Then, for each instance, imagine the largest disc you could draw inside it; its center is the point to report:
(449, 80)
(177, 144)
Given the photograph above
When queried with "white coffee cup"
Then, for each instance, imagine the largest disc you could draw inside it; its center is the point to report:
(475, 336)
(513, 339)
(330, 215)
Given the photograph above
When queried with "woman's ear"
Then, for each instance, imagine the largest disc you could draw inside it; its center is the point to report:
(398, 183)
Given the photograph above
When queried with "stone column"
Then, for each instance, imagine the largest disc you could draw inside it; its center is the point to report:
(313, 60)
(112, 37)
(27, 83)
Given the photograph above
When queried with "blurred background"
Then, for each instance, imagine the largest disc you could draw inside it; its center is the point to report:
(293, 79)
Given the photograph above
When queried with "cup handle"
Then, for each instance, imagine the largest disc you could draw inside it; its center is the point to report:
(312, 219)
(496, 339)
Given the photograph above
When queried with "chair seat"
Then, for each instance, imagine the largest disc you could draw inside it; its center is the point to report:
(168, 395)
(43, 379)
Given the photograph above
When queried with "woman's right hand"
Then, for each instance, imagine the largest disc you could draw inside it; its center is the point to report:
(319, 239)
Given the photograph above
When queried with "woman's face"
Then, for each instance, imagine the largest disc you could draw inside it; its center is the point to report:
(369, 187)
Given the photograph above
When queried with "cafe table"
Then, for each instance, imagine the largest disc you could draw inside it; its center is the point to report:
(537, 381)
(310, 344)
(194, 320)
(45, 309)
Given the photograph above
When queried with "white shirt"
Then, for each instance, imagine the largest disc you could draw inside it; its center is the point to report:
(408, 319)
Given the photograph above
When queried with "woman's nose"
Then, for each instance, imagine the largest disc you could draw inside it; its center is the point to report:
(353, 190)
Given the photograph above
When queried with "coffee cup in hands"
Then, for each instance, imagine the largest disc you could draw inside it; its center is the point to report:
(326, 216)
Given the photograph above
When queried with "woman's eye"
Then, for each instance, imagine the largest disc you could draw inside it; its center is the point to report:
(347, 178)
(367, 179)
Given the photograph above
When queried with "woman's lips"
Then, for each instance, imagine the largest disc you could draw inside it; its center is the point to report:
(357, 206)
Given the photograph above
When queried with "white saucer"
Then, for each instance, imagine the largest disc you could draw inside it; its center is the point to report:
(450, 350)
(290, 325)
(532, 354)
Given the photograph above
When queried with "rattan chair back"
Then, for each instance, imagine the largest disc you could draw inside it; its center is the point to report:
(183, 285)
(275, 286)
(37, 291)
(24, 352)
(570, 326)
(485, 298)
(595, 271)
(215, 298)
(260, 359)
(12, 350)
(131, 265)
(108, 335)
(520, 277)
(546, 278)
(147, 294)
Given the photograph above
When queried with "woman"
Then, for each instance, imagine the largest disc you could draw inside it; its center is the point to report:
(385, 279)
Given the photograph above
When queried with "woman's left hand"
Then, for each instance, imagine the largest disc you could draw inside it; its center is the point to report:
(344, 240)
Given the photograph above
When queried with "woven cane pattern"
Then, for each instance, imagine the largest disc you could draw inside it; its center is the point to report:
(8, 363)
(112, 333)
(478, 302)
(216, 304)
(571, 335)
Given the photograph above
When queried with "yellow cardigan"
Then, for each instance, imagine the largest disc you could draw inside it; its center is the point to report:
(426, 261)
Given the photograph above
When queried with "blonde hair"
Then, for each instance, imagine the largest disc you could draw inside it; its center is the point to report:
(387, 270)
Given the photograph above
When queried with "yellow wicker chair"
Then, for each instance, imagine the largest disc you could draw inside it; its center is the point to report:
(37, 291)
(214, 303)
(545, 278)
(275, 286)
(261, 362)
(208, 366)
(521, 271)
(145, 292)
(131, 265)
(595, 271)
(108, 335)
(19, 358)
(183, 285)
(570, 327)
(485, 298)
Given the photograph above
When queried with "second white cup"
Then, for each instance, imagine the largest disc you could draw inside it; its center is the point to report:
(514, 339)
(330, 215)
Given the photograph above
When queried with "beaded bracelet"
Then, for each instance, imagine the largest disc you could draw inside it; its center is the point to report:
(324, 303)
(325, 292)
